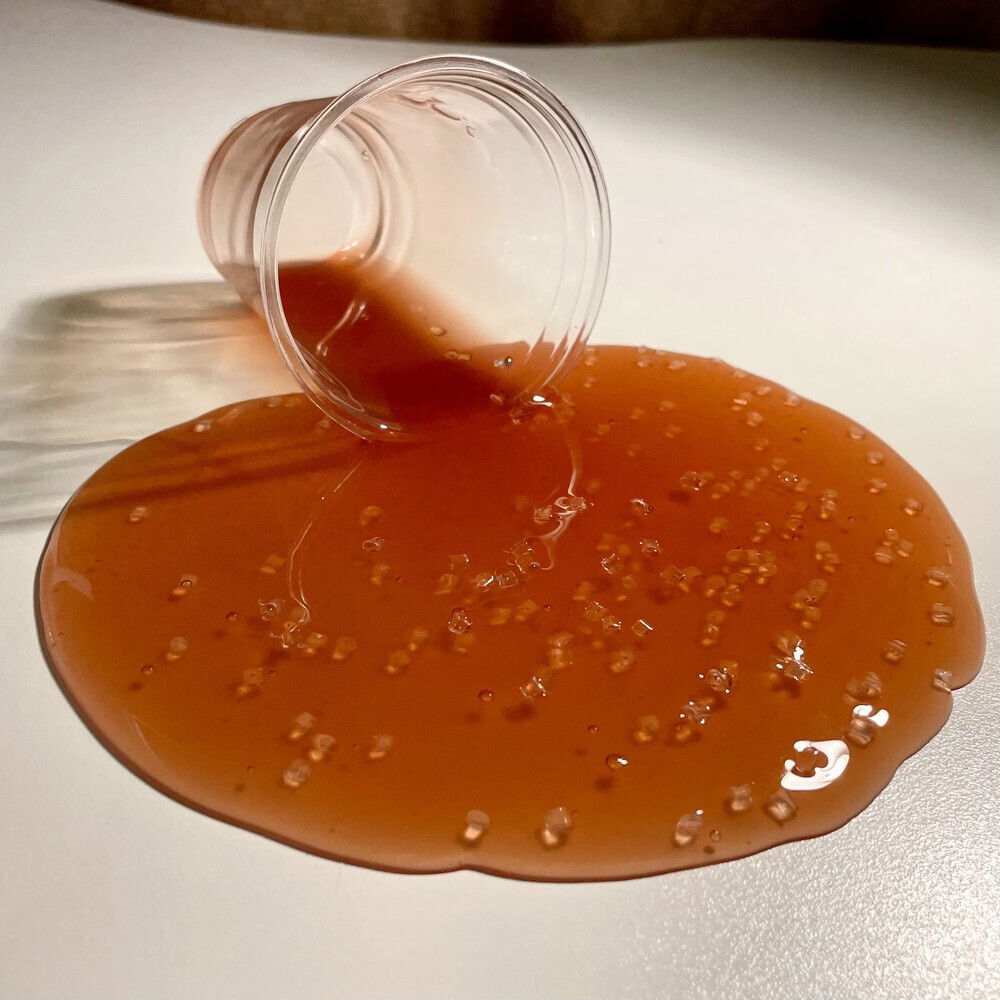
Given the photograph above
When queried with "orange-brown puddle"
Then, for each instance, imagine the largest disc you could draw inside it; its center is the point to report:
(678, 616)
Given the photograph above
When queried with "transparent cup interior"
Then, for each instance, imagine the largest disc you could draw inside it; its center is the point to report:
(454, 199)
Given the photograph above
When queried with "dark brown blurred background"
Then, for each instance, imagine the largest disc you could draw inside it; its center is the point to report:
(968, 23)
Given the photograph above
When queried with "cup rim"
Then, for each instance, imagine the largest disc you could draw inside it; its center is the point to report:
(283, 171)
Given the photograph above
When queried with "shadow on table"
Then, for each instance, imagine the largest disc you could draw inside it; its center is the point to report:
(86, 373)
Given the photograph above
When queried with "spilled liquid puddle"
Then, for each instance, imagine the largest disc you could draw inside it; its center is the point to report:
(674, 616)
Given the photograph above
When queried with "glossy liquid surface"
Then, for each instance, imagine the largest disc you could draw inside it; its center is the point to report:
(675, 616)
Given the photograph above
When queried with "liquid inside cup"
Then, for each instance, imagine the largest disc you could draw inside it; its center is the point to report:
(458, 176)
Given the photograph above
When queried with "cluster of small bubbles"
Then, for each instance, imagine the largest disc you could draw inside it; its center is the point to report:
(397, 662)
(646, 729)
(556, 825)
(447, 583)
(186, 582)
(296, 774)
(202, 425)
(650, 546)
(268, 610)
(855, 433)
(867, 688)
(718, 525)
(477, 823)
(874, 458)
(687, 828)
(740, 799)
(373, 544)
(176, 648)
(272, 564)
(526, 610)
(641, 629)
(875, 486)
(379, 746)
(781, 806)
(942, 681)
(138, 514)
(369, 514)
(615, 762)
(379, 573)
(894, 651)
(722, 678)
(344, 647)
(504, 362)
(323, 744)
(622, 661)
(534, 687)
(942, 614)
(828, 559)
(937, 576)
(253, 679)
(301, 724)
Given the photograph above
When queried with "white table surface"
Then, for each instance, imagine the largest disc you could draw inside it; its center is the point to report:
(826, 215)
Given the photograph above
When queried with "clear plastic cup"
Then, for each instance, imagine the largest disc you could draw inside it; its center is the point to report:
(458, 176)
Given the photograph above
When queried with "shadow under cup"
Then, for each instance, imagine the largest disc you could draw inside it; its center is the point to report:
(456, 193)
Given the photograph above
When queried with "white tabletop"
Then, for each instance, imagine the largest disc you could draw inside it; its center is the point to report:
(827, 215)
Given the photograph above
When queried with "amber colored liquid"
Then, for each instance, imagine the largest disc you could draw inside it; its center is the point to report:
(225, 599)
(396, 351)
